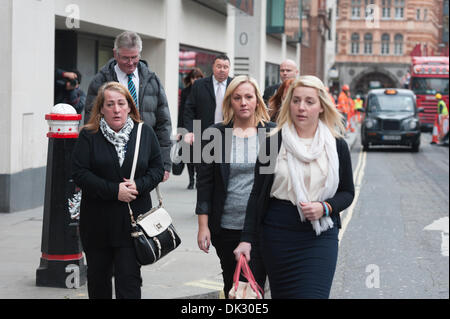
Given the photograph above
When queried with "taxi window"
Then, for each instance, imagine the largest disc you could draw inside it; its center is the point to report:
(391, 103)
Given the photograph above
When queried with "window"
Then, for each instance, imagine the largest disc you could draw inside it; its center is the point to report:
(368, 39)
(398, 44)
(275, 16)
(386, 11)
(272, 74)
(385, 44)
(418, 14)
(356, 9)
(430, 85)
(425, 14)
(399, 8)
(355, 43)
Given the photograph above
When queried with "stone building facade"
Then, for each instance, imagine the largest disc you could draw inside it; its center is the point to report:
(375, 39)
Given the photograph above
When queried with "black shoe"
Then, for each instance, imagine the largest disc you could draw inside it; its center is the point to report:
(191, 185)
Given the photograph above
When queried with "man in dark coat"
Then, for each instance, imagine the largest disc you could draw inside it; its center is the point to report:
(288, 70)
(144, 85)
(205, 101)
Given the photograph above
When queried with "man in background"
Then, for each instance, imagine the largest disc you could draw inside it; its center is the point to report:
(144, 85)
(288, 70)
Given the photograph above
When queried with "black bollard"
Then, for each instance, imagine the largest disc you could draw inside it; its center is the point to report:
(62, 261)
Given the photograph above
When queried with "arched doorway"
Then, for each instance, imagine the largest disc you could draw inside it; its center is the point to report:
(366, 81)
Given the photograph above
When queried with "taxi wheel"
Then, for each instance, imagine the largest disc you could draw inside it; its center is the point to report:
(365, 147)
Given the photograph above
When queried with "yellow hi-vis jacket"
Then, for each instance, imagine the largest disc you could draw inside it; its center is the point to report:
(442, 108)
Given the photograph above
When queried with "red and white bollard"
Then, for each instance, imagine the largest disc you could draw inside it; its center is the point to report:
(62, 261)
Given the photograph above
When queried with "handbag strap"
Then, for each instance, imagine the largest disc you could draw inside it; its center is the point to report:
(242, 265)
(251, 279)
(133, 169)
(136, 151)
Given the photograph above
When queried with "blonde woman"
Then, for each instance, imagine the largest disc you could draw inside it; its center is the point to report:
(224, 184)
(295, 207)
(102, 161)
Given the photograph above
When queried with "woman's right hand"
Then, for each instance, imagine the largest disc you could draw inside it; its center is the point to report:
(243, 248)
(127, 192)
(204, 238)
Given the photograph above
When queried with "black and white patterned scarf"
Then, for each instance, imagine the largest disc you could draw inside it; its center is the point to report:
(119, 139)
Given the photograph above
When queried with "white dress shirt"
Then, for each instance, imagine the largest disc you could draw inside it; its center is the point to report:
(222, 86)
(123, 78)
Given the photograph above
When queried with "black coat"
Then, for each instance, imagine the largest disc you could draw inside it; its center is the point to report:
(201, 104)
(104, 220)
(269, 92)
(212, 178)
(258, 203)
(183, 98)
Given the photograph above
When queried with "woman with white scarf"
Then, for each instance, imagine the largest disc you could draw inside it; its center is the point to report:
(298, 194)
(102, 161)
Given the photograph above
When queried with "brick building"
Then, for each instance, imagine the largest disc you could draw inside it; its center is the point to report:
(316, 26)
(376, 37)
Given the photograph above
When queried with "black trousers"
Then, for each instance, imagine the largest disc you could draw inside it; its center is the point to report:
(225, 243)
(119, 262)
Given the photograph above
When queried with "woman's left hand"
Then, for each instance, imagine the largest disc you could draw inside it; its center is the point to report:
(312, 210)
(130, 184)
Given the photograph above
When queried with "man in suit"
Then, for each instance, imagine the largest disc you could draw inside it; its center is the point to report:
(144, 85)
(205, 101)
(288, 70)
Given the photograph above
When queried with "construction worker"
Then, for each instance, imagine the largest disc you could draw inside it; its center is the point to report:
(443, 115)
(358, 107)
(440, 128)
(441, 106)
(345, 106)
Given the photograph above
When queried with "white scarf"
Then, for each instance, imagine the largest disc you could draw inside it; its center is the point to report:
(298, 155)
(118, 139)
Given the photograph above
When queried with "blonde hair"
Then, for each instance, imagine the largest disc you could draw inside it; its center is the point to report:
(261, 115)
(330, 115)
(96, 115)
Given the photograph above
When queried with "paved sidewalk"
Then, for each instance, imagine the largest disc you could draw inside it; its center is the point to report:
(185, 273)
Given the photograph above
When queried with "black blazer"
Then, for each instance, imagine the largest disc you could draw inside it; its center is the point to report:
(183, 97)
(201, 104)
(269, 92)
(212, 178)
(258, 203)
(104, 220)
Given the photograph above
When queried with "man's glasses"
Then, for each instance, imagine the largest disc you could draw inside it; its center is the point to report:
(129, 58)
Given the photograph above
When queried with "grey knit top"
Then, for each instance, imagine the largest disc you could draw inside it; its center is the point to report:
(244, 152)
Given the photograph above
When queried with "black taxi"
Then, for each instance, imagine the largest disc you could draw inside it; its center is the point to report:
(391, 118)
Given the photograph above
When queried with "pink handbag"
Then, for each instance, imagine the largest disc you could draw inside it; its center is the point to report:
(241, 289)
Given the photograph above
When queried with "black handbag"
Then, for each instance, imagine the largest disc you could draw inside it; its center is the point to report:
(153, 233)
(177, 163)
